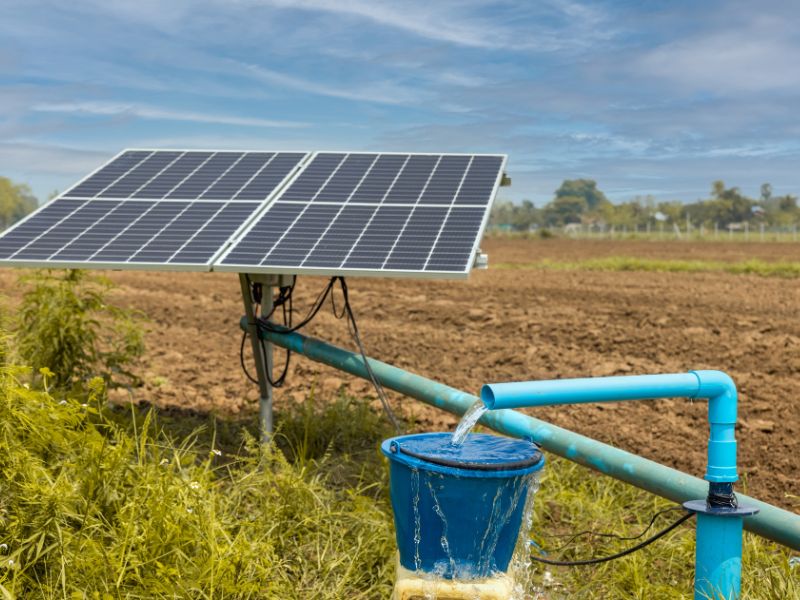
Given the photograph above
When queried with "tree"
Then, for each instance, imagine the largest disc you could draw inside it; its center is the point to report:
(564, 210)
(16, 201)
(730, 205)
(766, 192)
(583, 188)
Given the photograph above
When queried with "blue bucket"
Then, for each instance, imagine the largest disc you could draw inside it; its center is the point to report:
(458, 511)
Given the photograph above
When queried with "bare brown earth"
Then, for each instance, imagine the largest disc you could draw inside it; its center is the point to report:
(505, 324)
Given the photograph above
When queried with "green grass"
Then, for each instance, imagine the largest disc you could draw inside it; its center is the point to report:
(785, 269)
(104, 503)
(122, 502)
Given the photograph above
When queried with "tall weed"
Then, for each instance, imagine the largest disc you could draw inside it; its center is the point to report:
(67, 325)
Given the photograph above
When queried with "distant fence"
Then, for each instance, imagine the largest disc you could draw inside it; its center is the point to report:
(741, 232)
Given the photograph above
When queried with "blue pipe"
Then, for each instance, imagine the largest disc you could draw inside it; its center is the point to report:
(716, 386)
(771, 522)
(718, 552)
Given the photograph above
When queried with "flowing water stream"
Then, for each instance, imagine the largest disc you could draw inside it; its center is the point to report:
(468, 421)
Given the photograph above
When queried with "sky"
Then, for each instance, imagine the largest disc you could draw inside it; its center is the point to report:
(645, 97)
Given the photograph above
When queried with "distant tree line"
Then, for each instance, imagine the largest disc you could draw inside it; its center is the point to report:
(581, 201)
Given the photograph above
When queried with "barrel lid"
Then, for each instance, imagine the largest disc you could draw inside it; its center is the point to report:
(479, 452)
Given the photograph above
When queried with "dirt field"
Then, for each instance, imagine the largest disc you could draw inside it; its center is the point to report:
(524, 324)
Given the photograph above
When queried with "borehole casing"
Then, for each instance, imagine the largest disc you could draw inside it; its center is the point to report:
(458, 510)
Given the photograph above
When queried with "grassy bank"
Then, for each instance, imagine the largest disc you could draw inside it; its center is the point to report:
(789, 270)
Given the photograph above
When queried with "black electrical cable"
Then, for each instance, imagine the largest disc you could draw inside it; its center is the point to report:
(595, 561)
(590, 532)
(284, 297)
(353, 327)
(241, 359)
(315, 308)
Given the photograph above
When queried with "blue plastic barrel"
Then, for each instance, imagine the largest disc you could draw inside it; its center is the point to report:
(458, 510)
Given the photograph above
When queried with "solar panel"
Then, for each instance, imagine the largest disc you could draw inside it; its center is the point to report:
(373, 214)
(155, 209)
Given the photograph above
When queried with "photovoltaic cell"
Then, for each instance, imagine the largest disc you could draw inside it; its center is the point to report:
(173, 209)
(373, 214)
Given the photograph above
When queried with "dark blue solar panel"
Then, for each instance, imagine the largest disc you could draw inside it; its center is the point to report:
(265, 182)
(334, 246)
(300, 239)
(102, 231)
(173, 175)
(238, 176)
(373, 212)
(346, 178)
(415, 243)
(140, 175)
(412, 180)
(313, 177)
(109, 174)
(453, 249)
(153, 217)
(215, 233)
(380, 178)
(372, 249)
(36, 225)
(196, 185)
(480, 180)
(360, 211)
(446, 180)
(65, 231)
(253, 247)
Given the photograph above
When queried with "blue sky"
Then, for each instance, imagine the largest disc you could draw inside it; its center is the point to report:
(645, 97)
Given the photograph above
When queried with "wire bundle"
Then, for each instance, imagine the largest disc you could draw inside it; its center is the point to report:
(284, 300)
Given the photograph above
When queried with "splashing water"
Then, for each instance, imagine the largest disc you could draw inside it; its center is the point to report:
(417, 519)
(472, 416)
(521, 563)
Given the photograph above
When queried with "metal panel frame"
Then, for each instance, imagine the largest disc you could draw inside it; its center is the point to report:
(356, 272)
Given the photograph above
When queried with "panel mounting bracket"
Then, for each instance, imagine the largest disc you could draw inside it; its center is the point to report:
(272, 279)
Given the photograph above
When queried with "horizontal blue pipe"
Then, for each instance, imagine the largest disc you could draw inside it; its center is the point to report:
(772, 522)
(716, 386)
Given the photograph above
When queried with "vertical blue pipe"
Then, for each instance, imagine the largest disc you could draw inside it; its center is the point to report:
(718, 557)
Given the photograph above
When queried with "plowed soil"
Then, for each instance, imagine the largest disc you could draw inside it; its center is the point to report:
(505, 324)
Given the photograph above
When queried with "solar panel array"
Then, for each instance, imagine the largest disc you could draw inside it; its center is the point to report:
(150, 208)
(367, 213)
(272, 212)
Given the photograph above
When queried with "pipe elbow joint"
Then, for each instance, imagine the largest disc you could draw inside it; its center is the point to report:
(720, 390)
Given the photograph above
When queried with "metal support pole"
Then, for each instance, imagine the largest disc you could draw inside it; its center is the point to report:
(263, 358)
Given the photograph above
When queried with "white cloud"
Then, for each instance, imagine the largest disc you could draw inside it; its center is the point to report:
(150, 112)
(419, 19)
(382, 92)
(728, 62)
